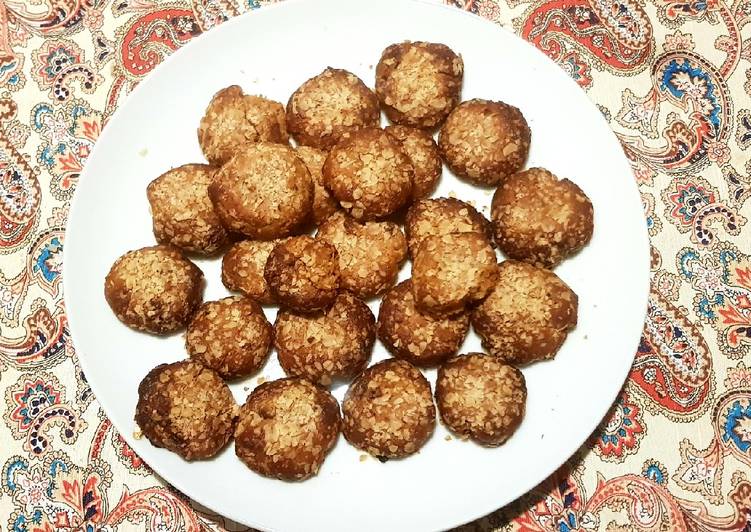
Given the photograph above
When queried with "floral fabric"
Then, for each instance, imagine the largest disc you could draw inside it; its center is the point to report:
(672, 77)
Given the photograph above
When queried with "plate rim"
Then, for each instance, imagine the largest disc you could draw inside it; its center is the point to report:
(644, 241)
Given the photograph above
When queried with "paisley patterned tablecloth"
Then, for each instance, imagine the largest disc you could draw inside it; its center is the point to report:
(673, 78)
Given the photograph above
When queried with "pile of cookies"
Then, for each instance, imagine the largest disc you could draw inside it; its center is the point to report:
(316, 229)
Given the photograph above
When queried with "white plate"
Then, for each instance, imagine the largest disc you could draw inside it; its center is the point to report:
(271, 52)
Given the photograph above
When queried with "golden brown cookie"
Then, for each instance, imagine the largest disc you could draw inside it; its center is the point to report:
(481, 398)
(154, 289)
(328, 105)
(185, 408)
(423, 153)
(414, 336)
(388, 410)
(181, 210)
(369, 174)
(484, 141)
(370, 253)
(323, 204)
(231, 336)
(452, 271)
(331, 345)
(527, 316)
(286, 428)
(264, 192)
(540, 219)
(234, 119)
(243, 266)
(303, 273)
(418, 83)
(443, 216)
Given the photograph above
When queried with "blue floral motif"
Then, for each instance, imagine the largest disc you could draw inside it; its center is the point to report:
(726, 257)
(650, 222)
(711, 278)
(737, 427)
(7, 67)
(57, 465)
(690, 200)
(654, 473)
(706, 306)
(684, 258)
(698, 86)
(49, 261)
(35, 399)
(38, 113)
(57, 60)
(10, 471)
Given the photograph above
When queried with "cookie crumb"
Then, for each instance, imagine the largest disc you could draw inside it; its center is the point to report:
(363, 457)
(448, 437)
(261, 379)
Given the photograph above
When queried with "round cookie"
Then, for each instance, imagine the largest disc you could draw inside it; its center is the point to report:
(418, 83)
(418, 338)
(527, 316)
(154, 289)
(185, 408)
(327, 346)
(443, 216)
(323, 204)
(264, 192)
(285, 429)
(452, 271)
(243, 266)
(303, 273)
(484, 141)
(423, 153)
(368, 174)
(328, 105)
(231, 336)
(540, 219)
(370, 253)
(181, 210)
(234, 119)
(388, 410)
(481, 398)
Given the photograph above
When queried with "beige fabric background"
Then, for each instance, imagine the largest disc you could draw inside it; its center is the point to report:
(673, 77)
